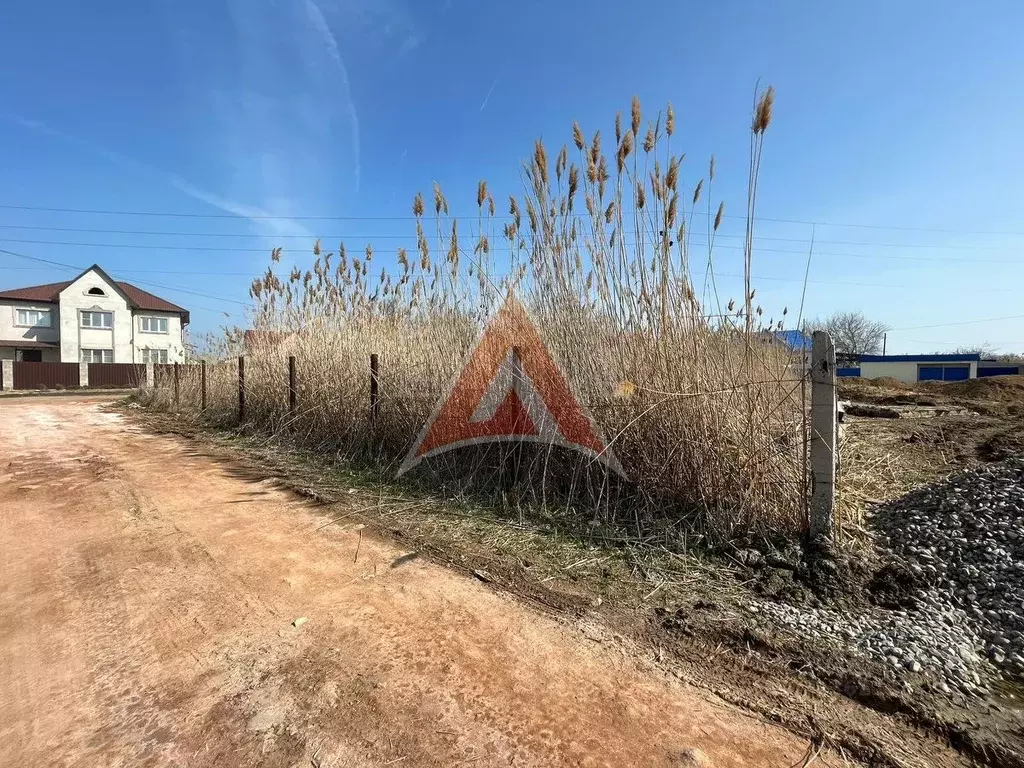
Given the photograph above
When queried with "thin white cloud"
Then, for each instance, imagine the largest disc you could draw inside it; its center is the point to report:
(264, 221)
(273, 130)
(316, 16)
(36, 125)
(276, 225)
(409, 44)
(319, 22)
(382, 24)
(488, 96)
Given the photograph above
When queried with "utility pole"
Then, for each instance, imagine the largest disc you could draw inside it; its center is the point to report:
(885, 336)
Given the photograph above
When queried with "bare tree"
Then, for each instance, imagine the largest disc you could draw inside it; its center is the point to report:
(987, 352)
(852, 332)
(984, 349)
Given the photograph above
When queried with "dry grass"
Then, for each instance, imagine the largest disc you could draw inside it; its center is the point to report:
(704, 410)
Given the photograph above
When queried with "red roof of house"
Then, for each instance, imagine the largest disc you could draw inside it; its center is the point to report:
(140, 299)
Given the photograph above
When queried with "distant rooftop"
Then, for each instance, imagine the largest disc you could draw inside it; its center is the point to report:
(794, 339)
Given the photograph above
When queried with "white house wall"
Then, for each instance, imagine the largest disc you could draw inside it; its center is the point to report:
(11, 331)
(172, 341)
(73, 338)
(49, 355)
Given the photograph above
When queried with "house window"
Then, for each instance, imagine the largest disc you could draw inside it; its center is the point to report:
(38, 318)
(154, 356)
(153, 324)
(97, 319)
(97, 355)
(96, 292)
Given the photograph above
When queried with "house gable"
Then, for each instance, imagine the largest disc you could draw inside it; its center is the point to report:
(94, 291)
(94, 282)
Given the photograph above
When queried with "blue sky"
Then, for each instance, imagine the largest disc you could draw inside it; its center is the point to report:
(903, 118)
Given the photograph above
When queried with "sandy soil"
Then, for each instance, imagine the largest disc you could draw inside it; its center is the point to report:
(147, 601)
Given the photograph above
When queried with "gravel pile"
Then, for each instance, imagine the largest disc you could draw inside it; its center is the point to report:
(963, 539)
(932, 641)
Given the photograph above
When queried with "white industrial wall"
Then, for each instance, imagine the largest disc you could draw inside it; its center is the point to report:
(903, 371)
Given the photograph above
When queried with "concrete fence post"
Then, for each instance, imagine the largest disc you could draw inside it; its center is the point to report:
(823, 435)
(7, 374)
(83, 374)
(150, 379)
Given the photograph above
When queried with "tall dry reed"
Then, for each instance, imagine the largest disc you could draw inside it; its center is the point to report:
(702, 406)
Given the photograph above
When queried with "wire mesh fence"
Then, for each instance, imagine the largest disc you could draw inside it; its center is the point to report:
(714, 479)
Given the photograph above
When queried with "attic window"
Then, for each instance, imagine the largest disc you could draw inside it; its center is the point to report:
(96, 292)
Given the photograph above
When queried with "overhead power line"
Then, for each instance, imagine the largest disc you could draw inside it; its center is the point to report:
(189, 272)
(961, 322)
(960, 343)
(141, 282)
(774, 278)
(771, 278)
(367, 237)
(77, 268)
(267, 217)
(231, 249)
(247, 304)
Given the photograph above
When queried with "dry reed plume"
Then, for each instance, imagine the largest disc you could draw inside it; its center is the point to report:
(704, 410)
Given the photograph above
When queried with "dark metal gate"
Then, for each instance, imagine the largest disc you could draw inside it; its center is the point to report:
(45, 375)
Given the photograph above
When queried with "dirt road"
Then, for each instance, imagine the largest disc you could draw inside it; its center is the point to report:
(147, 596)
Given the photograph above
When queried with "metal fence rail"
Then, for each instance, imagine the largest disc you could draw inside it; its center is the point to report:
(45, 375)
(123, 375)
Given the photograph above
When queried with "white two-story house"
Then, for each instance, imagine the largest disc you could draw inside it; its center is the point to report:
(91, 319)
